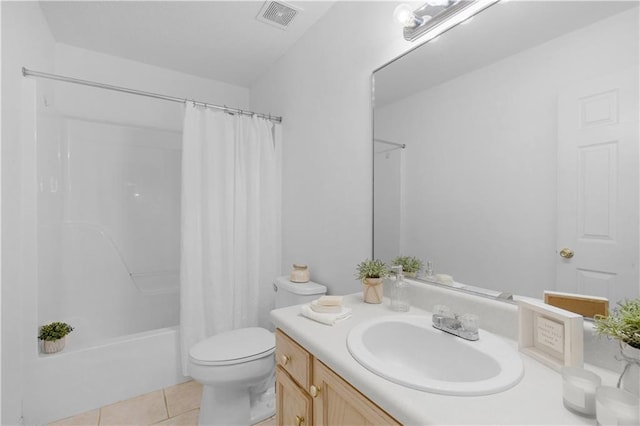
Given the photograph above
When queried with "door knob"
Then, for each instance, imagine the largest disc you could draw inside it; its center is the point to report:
(566, 253)
(299, 420)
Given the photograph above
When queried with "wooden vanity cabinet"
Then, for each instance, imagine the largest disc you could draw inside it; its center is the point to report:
(310, 393)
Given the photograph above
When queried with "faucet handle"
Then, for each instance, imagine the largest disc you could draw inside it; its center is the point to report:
(470, 322)
(442, 310)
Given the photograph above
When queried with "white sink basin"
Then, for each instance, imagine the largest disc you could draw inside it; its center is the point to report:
(407, 350)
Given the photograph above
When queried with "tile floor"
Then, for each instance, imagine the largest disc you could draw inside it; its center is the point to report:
(177, 405)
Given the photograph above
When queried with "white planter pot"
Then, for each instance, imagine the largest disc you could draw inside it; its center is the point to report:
(631, 378)
(53, 346)
(372, 290)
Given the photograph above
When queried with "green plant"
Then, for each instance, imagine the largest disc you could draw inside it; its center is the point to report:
(371, 269)
(622, 324)
(409, 264)
(54, 331)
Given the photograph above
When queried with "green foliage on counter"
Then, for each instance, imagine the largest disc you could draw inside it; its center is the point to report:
(623, 323)
(371, 269)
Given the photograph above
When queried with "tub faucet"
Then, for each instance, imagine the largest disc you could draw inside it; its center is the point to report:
(465, 326)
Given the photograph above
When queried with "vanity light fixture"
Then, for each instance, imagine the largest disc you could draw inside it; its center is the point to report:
(436, 16)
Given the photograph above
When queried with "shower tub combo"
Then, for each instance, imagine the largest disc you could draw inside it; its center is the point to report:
(108, 244)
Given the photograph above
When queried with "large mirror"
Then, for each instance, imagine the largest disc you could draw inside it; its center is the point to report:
(506, 150)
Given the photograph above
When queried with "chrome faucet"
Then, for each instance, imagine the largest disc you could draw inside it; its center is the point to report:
(465, 326)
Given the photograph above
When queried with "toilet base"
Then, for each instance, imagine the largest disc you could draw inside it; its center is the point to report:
(264, 406)
(229, 407)
(226, 407)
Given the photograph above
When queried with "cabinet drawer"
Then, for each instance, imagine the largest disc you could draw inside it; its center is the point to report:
(294, 359)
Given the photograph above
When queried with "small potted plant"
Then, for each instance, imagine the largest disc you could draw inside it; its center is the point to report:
(371, 273)
(623, 324)
(410, 265)
(54, 336)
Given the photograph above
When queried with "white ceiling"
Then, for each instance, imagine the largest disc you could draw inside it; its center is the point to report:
(219, 40)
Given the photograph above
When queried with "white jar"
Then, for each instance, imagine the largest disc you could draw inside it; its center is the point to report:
(300, 273)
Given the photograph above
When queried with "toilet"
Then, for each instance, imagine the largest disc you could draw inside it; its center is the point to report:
(237, 367)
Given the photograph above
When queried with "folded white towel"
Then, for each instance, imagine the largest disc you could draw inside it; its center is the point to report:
(329, 319)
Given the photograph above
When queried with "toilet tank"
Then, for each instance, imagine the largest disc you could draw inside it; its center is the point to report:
(289, 293)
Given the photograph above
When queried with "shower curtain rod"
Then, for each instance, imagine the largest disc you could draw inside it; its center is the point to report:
(30, 73)
(399, 145)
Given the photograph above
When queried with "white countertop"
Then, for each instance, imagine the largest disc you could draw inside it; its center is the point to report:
(536, 399)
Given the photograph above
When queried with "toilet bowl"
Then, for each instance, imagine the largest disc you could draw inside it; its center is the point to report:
(236, 369)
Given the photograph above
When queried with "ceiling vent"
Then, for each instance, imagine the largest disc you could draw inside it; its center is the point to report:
(277, 13)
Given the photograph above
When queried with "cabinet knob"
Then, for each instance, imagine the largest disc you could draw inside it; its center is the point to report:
(299, 420)
(314, 391)
(284, 359)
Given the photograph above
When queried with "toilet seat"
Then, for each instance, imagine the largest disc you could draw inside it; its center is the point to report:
(234, 347)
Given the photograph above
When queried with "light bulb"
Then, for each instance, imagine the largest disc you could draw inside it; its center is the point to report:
(405, 16)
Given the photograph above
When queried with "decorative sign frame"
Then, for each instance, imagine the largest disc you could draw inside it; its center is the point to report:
(551, 335)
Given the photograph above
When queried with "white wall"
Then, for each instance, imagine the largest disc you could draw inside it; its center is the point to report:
(481, 158)
(322, 89)
(88, 65)
(26, 41)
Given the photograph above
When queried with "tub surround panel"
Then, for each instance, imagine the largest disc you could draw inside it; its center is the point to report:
(537, 399)
(100, 375)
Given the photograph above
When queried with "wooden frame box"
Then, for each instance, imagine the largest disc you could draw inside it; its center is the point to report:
(551, 335)
(587, 306)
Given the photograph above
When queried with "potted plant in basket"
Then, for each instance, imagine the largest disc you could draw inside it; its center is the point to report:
(54, 336)
(623, 324)
(410, 265)
(371, 273)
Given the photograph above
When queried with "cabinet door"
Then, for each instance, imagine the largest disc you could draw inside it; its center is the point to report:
(293, 405)
(338, 403)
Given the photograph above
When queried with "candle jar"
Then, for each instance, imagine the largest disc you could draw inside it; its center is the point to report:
(299, 273)
(617, 407)
(579, 390)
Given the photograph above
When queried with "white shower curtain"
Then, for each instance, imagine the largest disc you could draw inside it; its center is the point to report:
(230, 223)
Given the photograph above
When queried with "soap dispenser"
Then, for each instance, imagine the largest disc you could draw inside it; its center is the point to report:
(399, 292)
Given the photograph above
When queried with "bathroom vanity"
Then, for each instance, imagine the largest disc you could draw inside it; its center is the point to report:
(320, 383)
(310, 393)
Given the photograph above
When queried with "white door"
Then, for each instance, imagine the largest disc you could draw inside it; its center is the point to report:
(598, 185)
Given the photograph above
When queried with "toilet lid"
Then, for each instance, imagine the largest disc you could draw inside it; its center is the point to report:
(234, 347)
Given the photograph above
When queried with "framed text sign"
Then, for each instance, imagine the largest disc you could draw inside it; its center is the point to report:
(551, 335)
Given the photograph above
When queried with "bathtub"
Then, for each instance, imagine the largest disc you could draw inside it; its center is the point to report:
(78, 380)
